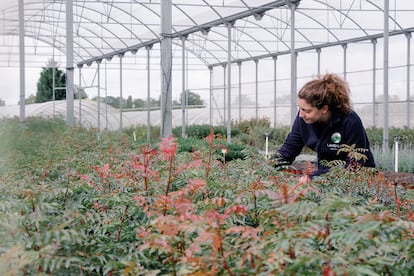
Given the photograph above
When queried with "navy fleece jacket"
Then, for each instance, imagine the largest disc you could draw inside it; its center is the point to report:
(325, 140)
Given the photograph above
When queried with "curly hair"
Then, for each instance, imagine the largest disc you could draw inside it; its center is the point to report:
(330, 90)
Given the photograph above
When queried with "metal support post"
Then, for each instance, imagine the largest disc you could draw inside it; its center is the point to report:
(229, 28)
(166, 68)
(69, 62)
(274, 91)
(386, 65)
(148, 48)
(374, 82)
(22, 67)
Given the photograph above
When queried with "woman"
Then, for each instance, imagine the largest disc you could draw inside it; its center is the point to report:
(324, 123)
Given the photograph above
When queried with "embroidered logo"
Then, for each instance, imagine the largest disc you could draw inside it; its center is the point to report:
(336, 137)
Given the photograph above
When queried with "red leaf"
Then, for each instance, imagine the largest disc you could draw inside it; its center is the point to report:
(168, 146)
(210, 137)
(236, 209)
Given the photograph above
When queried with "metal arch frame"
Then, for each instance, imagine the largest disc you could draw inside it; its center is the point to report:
(220, 47)
(159, 16)
(224, 49)
(277, 37)
(100, 25)
(323, 45)
(270, 52)
(244, 3)
(152, 11)
(191, 41)
(319, 23)
(390, 17)
(208, 25)
(105, 28)
(204, 61)
(212, 42)
(219, 34)
(251, 10)
(213, 9)
(141, 23)
(54, 28)
(217, 44)
(156, 41)
(341, 12)
(61, 42)
(79, 45)
(62, 49)
(272, 34)
(126, 13)
(250, 36)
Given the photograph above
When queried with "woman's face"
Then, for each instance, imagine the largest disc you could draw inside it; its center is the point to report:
(312, 114)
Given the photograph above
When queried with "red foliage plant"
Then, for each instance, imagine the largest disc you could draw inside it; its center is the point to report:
(168, 147)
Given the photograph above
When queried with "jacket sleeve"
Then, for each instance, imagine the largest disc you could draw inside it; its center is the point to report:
(292, 145)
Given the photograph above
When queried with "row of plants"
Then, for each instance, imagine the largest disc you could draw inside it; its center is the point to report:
(253, 132)
(73, 204)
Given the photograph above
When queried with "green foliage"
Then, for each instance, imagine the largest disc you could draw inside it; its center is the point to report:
(254, 132)
(234, 151)
(191, 144)
(128, 103)
(31, 99)
(45, 85)
(73, 204)
(131, 103)
(279, 134)
(386, 160)
(246, 126)
(141, 133)
(406, 136)
(191, 98)
(31, 143)
(223, 151)
(202, 131)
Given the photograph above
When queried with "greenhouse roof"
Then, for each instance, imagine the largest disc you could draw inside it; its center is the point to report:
(259, 28)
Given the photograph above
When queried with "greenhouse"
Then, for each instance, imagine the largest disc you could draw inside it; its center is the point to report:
(246, 59)
(206, 137)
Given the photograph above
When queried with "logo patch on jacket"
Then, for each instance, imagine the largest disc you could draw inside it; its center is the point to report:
(336, 137)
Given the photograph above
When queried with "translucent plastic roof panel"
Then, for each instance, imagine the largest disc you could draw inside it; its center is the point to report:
(259, 28)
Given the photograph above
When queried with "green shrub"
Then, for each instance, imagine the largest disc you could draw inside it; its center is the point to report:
(201, 131)
(246, 126)
(234, 151)
(141, 133)
(279, 134)
(191, 144)
(196, 131)
(406, 136)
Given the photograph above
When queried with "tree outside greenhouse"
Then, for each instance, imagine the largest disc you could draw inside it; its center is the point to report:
(45, 85)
